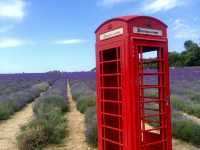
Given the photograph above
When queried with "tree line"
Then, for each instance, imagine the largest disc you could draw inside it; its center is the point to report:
(189, 57)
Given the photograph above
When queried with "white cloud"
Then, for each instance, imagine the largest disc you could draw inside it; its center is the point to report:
(111, 2)
(11, 42)
(184, 31)
(70, 41)
(153, 6)
(13, 9)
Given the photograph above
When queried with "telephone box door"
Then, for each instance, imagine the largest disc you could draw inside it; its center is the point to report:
(153, 95)
(111, 118)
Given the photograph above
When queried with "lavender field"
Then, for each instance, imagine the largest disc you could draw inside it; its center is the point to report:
(32, 110)
(185, 101)
(48, 95)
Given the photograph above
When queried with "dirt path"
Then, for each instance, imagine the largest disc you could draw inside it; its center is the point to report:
(10, 128)
(180, 145)
(76, 137)
(193, 118)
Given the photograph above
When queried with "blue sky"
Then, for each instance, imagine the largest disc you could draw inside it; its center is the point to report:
(43, 35)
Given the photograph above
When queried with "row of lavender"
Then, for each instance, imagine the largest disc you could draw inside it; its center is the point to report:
(17, 90)
(10, 83)
(56, 95)
(7, 87)
(49, 124)
(49, 93)
(16, 100)
(85, 98)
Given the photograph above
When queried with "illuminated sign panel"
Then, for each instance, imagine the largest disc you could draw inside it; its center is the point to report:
(112, 34)
(147, 31)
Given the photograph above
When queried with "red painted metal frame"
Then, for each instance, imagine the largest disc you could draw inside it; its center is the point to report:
(121, 103)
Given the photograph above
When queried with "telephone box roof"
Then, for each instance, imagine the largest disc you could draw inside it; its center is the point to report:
(129, 18)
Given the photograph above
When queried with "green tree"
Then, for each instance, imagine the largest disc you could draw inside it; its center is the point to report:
(175, 59)
(189, 57)
(192, 54)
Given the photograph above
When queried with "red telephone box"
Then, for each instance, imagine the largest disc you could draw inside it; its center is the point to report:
(133, 99)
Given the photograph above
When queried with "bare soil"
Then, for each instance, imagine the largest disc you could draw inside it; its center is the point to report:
(11, 127)
(180, 145)
(193, 118)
